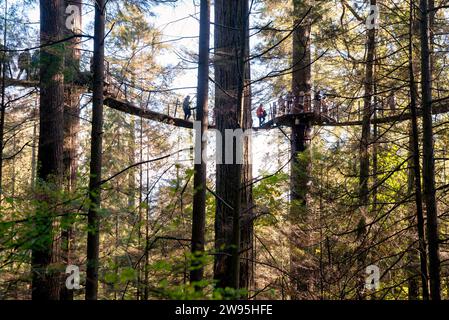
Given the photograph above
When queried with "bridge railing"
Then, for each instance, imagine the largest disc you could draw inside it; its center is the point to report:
(321, 107)
(354, 110)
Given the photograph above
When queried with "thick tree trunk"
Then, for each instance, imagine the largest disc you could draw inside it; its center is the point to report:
(45, 280)
(301, 265)
(93, 237)
(429, 160)
(200, 177)
(231, 22)
(71, 127)
(300, 262)
(415, 177)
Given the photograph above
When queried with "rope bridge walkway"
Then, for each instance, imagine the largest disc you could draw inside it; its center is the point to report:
(320, 113)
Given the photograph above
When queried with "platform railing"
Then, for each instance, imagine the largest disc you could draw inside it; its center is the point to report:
(304, 105)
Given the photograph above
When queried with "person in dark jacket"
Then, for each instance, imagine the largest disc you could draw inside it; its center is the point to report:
(186, 108)
(34, 67)
(24, 64)
(281, 104)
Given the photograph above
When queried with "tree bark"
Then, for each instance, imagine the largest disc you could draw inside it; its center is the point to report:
(247, 257)
(415, 178)
(429, 160)
(71, 127)
(230, 24)
(93, 237)
(45, 280)
(367, 114)
(300, 266)
(200, 177)
(364, 149)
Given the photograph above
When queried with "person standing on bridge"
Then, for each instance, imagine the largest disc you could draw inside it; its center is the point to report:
(261, 114)
(300, 106)
(281, 104)
(34, 66)
(289, 102)
(324, 104)
(186, 108)
(24, 64)
(391, 101)
(317, 101)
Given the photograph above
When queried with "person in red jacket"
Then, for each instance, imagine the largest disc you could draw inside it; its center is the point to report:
(261, 114)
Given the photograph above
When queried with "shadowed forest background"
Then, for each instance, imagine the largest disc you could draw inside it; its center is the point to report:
(97, 161)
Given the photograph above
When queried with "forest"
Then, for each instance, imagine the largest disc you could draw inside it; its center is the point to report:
(224, 150)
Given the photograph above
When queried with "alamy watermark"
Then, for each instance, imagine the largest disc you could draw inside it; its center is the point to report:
(372, 282)
(372, 22)
(73, 280)
(73, 20)
(229, 153)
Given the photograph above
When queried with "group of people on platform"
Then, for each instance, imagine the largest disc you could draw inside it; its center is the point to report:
(27, 63)
(294, 104)
(286, 104)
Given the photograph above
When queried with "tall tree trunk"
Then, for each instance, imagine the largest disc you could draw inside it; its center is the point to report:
(247, 258)
(139, 294)
(200, 177)
(300, 268)
(367, 114)
(412, 270)
(3, 65)
(415, 178)
(93, 237)
(364, 149)
(45, 280)
(231, 22)
(147, 228)
(132, 172)
(429, 160)
(71, 127)
(33, 149)
(432, 14)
